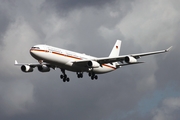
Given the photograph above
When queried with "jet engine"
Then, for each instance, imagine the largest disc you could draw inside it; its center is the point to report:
(43, 68)
(129, 59)
(93, 64)
(26, 68)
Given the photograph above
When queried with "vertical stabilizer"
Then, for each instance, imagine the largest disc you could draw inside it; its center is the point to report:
(116, 49)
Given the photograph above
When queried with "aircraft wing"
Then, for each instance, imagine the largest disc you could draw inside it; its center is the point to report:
(33, 64)
(122, 58)
(136, 56)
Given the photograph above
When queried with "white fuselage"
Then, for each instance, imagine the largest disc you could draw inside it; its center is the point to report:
(64, 59)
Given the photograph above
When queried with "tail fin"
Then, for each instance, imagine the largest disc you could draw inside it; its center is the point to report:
(116, 49)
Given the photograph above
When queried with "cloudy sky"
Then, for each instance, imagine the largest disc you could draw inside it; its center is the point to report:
(148, 91)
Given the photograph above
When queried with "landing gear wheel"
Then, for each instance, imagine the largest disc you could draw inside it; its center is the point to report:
(80, 74)
(96, 77)
(93, 76)
(67, 79)
(65, 76)
(64, 80)
(61, 76)
(89, 74)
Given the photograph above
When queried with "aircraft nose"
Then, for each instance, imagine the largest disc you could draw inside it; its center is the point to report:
(31, 52)
(33, 49)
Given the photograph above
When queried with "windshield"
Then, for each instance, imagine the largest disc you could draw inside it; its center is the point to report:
(35, 48)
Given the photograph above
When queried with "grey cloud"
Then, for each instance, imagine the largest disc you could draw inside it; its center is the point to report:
(168, 110)
(66, 5)
(16, 97)
(4, 22)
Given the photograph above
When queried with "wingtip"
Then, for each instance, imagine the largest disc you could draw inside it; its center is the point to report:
(15, 62)
(119, 40)
(169, 49)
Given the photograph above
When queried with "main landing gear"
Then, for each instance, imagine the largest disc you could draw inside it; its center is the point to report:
(80, 74)
(64, 76)
(93, 76)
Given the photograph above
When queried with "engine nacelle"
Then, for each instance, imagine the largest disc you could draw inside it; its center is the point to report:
(26, 68)
(129, 59)
(43, 68)
(93, 64)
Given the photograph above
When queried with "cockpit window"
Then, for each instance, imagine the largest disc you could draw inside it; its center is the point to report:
(35, 48)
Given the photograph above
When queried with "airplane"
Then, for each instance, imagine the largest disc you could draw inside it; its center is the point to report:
(52, 57)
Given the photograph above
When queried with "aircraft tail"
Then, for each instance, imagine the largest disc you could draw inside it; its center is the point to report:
(116, 49)
(115, 52)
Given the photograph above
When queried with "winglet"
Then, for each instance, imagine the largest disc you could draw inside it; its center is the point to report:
(15, 62)
(167, 50)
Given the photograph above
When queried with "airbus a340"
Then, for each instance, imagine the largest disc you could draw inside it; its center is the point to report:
(52, 57)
